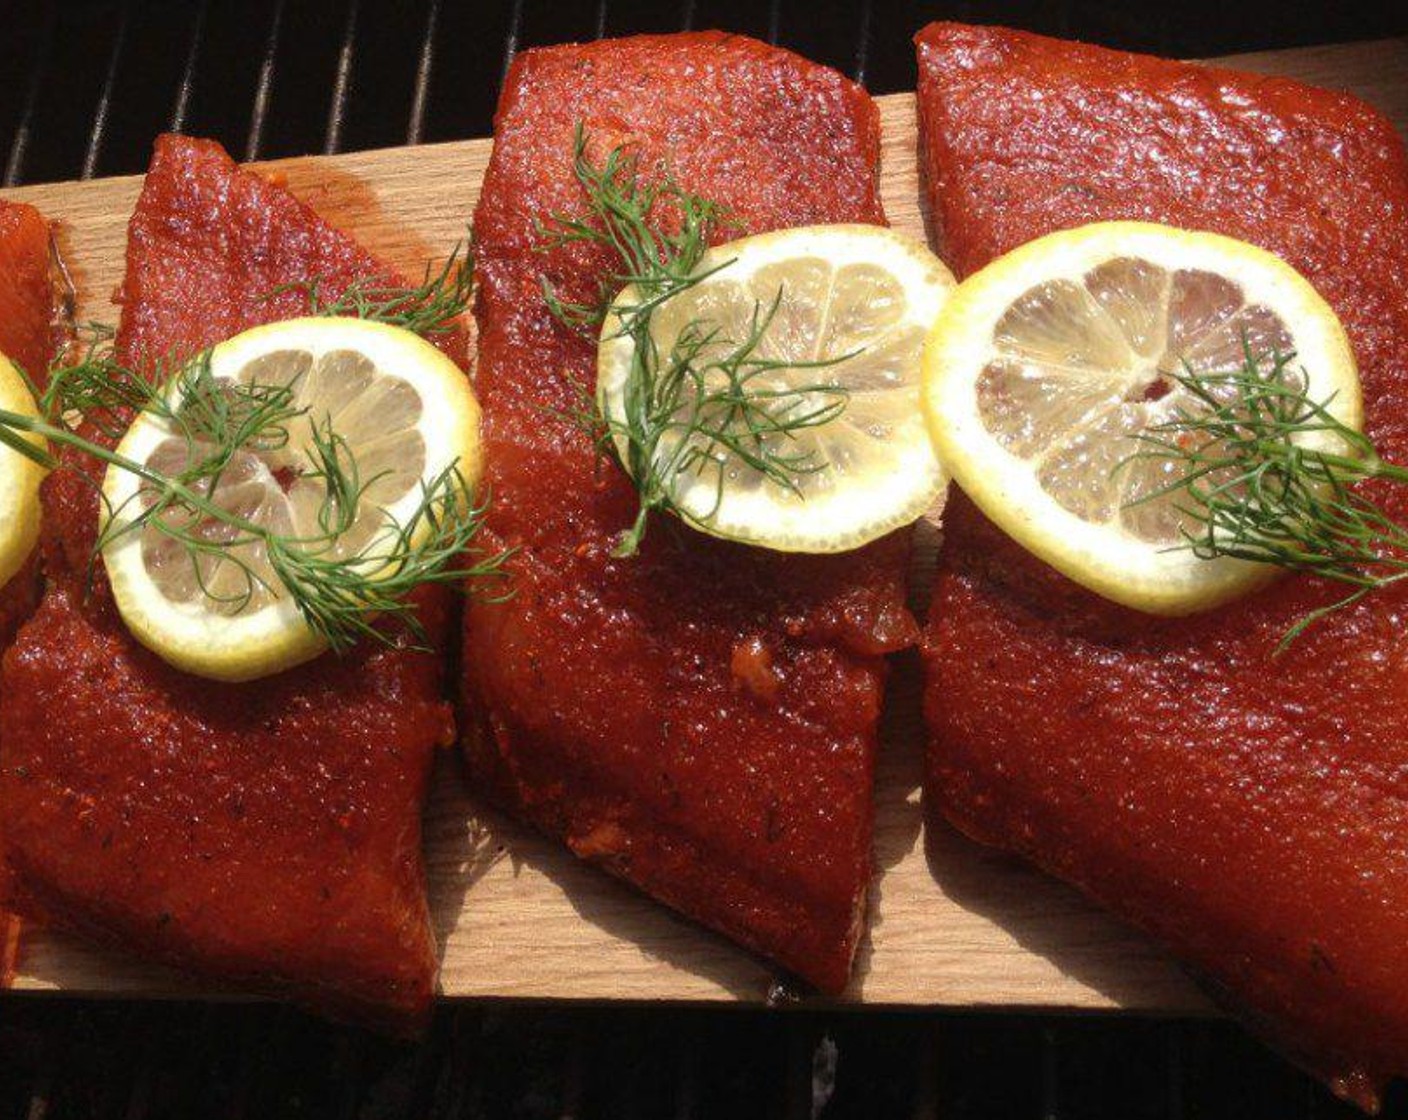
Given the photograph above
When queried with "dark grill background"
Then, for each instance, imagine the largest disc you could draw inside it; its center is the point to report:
(61, 1058)
(84, 86)
(83, 89)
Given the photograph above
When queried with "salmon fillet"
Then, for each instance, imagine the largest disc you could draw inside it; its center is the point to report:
(699, 719)
(1250, 811)
(27, 339)
(265, 834)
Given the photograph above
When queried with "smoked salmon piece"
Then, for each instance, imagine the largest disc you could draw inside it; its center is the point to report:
(27, 338)
(1248, 810)
(265, 834)
(699, 719)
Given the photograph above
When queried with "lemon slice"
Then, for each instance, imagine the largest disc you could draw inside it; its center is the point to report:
(19, 480)
(863, 294)
(1045, 366)
(406, 413)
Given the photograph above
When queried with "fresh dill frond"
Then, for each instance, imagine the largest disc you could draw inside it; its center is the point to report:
(343, 594)
(91, 386)
(1251, 486)
(705, 403)
(429, 308)
(656, 231)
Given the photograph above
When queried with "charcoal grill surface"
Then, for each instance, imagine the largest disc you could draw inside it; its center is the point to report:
(84, 87)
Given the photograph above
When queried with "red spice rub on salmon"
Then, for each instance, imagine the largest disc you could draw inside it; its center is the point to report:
(27, 340)
(266, 833)
(699, 719)
(27, 327)
(1248, 810)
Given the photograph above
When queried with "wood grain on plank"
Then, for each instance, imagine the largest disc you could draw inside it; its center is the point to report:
(517, 916)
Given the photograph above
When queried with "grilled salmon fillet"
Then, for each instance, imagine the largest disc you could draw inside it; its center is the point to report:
(27, 339)
(266, 834)
(1248, 810)
(699, 719)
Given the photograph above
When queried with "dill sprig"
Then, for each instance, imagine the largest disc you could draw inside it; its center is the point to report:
(343, 595)
(93, 388)
(1268, 474)
(104, 392)
(633, 220)
(707, 402)
(429, 308)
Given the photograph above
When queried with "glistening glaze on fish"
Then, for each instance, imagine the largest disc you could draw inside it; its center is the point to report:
(1248, 810)
(265, 834)
(27, 339)
(699, 719)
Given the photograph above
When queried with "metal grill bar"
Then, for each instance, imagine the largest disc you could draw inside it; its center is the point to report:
(574, 1076)
(774, 21)
(863, 41)
(264, 87)
(182, 108)
(141, 1093)
(415, 127)
(797, 1078)
(350, 1048)
(42, 1088)
(515, 27)
(342, 83)
(1173, 1049)
(14, 166)
(601, 19)
(925, 1101)
(451, 1087)
(686, 1080)
(100, 115)
(687, 15)
(1050, 1070)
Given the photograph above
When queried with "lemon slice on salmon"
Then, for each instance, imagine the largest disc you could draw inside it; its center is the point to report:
(1044, 369)
(850, 305)
(19, 480)
(404, 414)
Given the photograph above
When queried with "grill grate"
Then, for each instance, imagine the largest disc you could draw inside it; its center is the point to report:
(268, 78)
(258, 1062)
(94, 80)
(260, 109)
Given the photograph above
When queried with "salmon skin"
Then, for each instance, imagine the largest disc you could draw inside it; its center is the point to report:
(27, 338)
(1248, 810)
(699, 719)
(265, 834)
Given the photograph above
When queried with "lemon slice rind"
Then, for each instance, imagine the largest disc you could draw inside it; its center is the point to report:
(1103, 557)
(19, 481)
